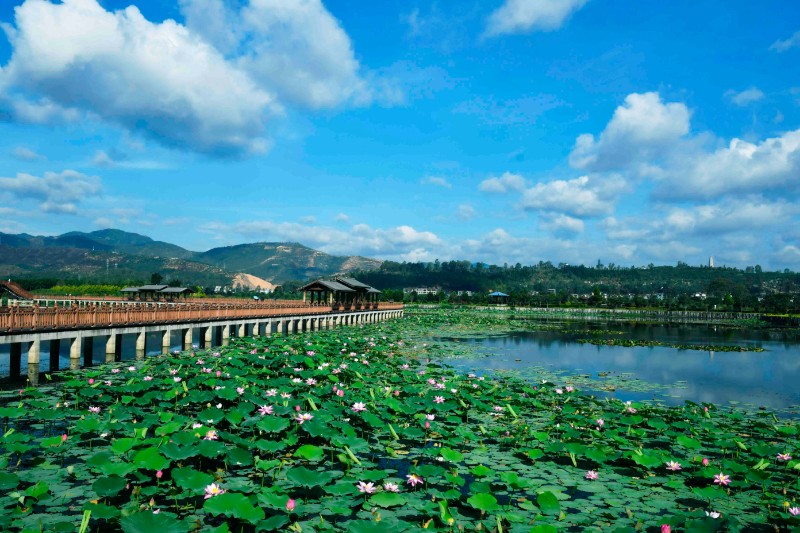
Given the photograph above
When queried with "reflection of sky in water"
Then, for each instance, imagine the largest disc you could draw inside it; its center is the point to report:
(770, 378)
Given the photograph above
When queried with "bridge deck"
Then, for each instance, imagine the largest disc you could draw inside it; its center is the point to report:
(39, 319)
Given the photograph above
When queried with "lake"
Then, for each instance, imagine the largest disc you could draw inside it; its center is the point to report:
(768, 379)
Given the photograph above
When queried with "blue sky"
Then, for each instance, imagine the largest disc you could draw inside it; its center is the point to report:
(498, 131)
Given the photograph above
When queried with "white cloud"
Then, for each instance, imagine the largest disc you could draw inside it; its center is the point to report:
(296, 48)
(642, 129)
(562, 225)
(466, 212)
(732, 216)
(361, 239)
(56, 192)
(342, 217)
(507, 182)
(520, 16)
(438, 181)
(581, 197)
(786, 44)
(739, 167)
(160, 79)
(26, 154)
(746, 97)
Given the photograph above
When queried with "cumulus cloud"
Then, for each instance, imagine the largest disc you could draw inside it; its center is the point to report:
(55, 192)
(210, 86)
(786, 44)
(438, 181)
(746, 97)
(466, 212)
(643, 128)
(580, 197)
(507, 182)
(296, 48)
(521, 16)
(561, 224)
(159, 79)
(741, 166)
(26, 154)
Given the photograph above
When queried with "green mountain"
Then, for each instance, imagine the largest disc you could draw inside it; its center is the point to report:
(116, 256)
(281, 261)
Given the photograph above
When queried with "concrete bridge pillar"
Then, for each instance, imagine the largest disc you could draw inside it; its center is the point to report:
(268, 328)
(166, 338)
(15, 360)
(279, 327)
(226, 335)
(88, 352)
(75, 353)
(207, 334)
(242, 330)
(141, 345)
(33, 362)
(188, 333)
(256, 329)
(111, 347)
(55, 348)
(290, 326)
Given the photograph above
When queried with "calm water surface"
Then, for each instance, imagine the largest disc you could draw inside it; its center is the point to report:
(770, 379)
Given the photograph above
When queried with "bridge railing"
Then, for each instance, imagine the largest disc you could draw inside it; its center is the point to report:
(96, 316)
(102, 315)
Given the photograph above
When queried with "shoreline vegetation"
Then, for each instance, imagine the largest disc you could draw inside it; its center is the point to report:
(365, 429)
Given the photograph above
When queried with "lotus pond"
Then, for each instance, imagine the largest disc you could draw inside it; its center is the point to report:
(366, 429)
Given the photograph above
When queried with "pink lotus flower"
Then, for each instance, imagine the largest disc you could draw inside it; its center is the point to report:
(340, 393)
(391, 487)
(265, 410)
(271, 392)
(359, 406)
(367, 488)
(600, 422)
(91, 381)
(213, 490)
(438, 399)
(569, 388)
(94, 409)
(427, 425)
(430, 417)
(290, 505)
(177, 379)
(240, 390)
(159, 474)
(414, 480)
(64, 437)
(115, 370)
(592, 474)
(705, 461)
(784, 457)
(211, 435)
(303, 417)
(673, 465)
(794, 511)
(665, 528)
(148, 378)
(722, 479)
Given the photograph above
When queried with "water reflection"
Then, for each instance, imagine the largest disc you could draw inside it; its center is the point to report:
(770, 378)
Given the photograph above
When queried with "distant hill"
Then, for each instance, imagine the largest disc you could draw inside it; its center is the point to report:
(281, 261)
(114, 255)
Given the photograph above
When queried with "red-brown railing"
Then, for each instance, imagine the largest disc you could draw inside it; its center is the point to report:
(96, 316)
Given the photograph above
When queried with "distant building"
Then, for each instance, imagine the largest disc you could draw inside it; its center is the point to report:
(463, 293)
(711, 262)
(422, 290)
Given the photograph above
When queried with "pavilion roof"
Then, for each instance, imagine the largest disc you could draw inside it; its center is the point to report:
(354, 283)
(326, 285)
(152, 288)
